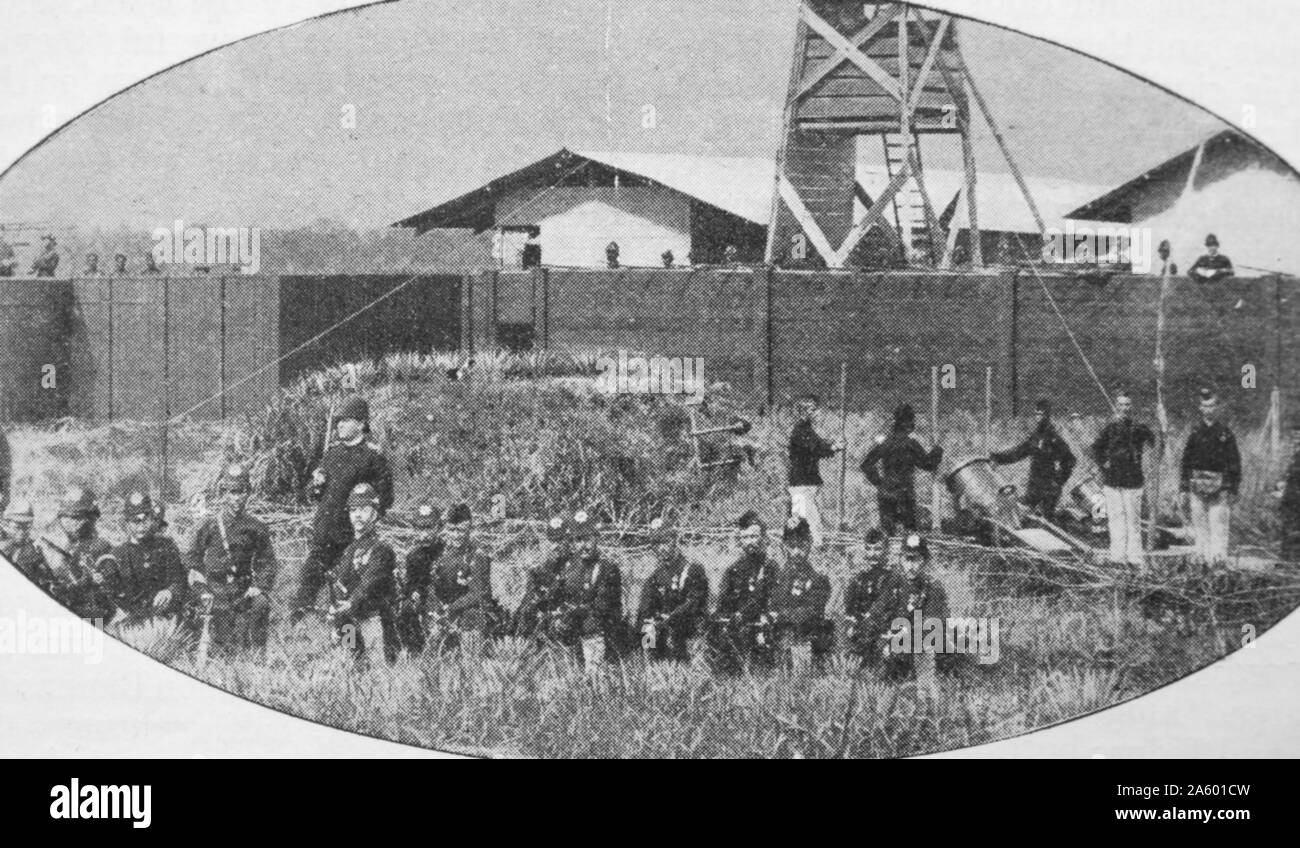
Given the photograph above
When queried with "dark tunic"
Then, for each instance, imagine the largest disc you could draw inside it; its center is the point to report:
(1219, 264)
(30, 562)
(233, 555)
(364, 577)
(1212, 447)
(1050, 464)
(345, 466)
(88, 576)
(678, 591)
(807, 450)
(146, 570)
(596, 592)
(800, 601)
(462, 586)
(1118, 452)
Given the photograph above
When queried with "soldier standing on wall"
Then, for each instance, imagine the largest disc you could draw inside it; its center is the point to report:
(1212, 265)
(349, 461)
(1051, 462)
(47, 262)
(674, 599)
(891, 466)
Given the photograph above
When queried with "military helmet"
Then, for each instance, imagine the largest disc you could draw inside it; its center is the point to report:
(78, 502)
(355, 408)
(363, 494)
(749, 519)
(20, 511)
(662, 529)
(235, 479)
(426, 517)
(915, 545)
(138, 506)
(459, 514)
(582, 525)
(557, 529)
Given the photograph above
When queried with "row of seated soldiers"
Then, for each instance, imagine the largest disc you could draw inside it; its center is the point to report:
(220, 584)
(442, 590)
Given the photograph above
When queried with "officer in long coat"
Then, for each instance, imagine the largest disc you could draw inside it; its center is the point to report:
(351, 460)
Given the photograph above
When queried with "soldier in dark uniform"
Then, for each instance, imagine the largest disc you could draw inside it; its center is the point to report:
(232, 569)
(674, 600)
(153, 575)
(799, 602)
(891, 466)
(806, 451)
(1211, 266)
(404, 627)
(1051, 462)
(349, 461)
(20, 548)
(741, 629)
(872, 593)
(1289, 500)
(544, 586)
(92, 265)
(593, 595)
(907, 597)
(462, 585)
(1118, 451)
(83, 561)
(1210, 477)
(363, 580)
(119, 263)
(47, 262)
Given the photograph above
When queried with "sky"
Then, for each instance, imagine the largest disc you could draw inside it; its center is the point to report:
(447, 95)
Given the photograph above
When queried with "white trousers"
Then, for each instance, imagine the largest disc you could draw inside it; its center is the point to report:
(1124, 521)
(1210, 519)
(803, 503)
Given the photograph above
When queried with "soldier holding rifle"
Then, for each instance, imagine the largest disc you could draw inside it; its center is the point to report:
(799, 602)
(153, 574)
(363, 580)
(405, 626)
(593, 595)
(536, 617)
(232, 569)
(741, 631)
(674, 600)
(84, 565)
(462, 585)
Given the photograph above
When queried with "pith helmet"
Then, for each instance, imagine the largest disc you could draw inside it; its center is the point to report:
(20, 512)
(662, 529)
(78, 503)
(557, 529)
(426, 517)
(459, 514)
(235, 479)
(582, 525)
(363, 494)
(356, 409)
(138, 506)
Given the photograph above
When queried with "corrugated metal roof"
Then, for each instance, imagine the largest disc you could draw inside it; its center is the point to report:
(741, 186)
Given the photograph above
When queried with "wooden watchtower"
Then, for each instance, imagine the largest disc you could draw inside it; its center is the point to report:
(869, 73)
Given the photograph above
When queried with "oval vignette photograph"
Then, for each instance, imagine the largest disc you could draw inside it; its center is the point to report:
(762, 379)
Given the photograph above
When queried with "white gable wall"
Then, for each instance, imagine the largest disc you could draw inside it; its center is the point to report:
(578, 222)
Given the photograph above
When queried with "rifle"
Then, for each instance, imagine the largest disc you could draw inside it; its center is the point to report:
(206, 602)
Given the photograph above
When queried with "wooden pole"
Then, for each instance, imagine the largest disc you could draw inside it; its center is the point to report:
(934, 438)
(844, 427)
(988, 409)
(1162, 417)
